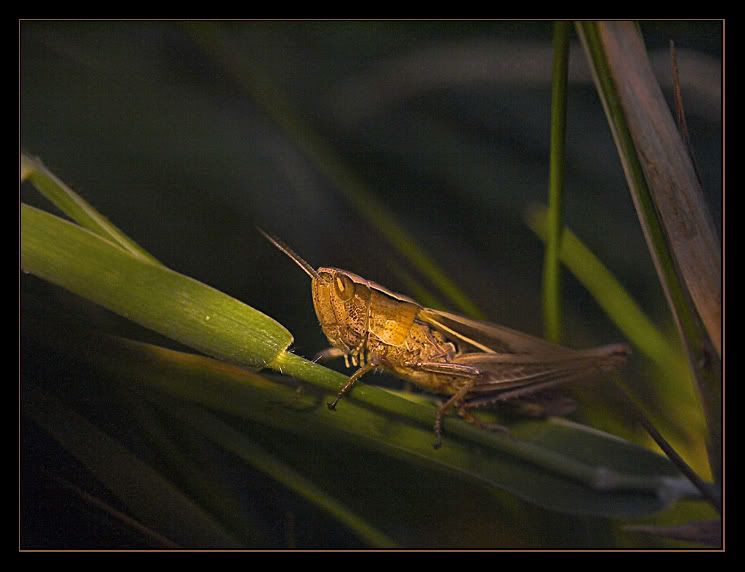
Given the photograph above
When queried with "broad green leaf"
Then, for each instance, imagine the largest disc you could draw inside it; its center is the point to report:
(151, 295)
(629, 480)
(77, 208)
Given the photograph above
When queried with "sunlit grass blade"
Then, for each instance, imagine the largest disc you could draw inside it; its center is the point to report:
(76, 207)
(551, 265)
(661, 175)
(346, 181)
(669, 202)
(151, 295)
(143, 490)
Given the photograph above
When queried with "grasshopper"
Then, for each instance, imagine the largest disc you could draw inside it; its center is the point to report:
(473, 363)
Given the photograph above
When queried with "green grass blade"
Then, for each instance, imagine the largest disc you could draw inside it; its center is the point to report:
(175, 455)
(551, 265)
(536, 453)
(627, 479)
(651, 142)
(345, 180)
(262, 460)
(77, 208)
(669, 203)
(151, 295)
(143, 490)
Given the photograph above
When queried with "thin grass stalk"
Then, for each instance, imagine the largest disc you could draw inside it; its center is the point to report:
(76, 207)
(706, 490)
(551, 264)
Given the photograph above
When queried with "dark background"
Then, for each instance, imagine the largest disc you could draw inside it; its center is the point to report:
(446, 122)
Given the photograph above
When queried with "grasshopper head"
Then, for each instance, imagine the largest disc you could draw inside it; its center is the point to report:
(342, 314)
(341, 306)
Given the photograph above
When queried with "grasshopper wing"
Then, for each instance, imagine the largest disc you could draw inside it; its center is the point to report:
(488, 337)
(501, 372)
(509, 359)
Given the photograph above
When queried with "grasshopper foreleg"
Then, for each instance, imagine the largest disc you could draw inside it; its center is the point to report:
(350, 382)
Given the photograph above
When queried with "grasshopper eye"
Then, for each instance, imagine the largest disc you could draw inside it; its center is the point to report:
(344, 287)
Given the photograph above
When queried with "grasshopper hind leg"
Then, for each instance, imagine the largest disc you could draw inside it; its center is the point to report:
(462, 409)
(457, 401)
(473, 420)
(471, 375)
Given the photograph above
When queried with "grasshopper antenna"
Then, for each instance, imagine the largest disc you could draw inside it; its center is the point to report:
(307, 268)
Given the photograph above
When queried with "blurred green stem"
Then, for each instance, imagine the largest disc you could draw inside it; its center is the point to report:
(551, 266)
(624, 311)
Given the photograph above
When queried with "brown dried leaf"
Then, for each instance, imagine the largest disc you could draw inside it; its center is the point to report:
(669, 172)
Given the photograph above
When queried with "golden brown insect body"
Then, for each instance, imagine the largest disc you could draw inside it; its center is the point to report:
(369, 324)
(474, 363)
